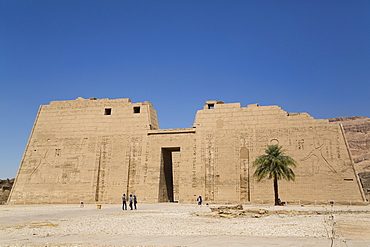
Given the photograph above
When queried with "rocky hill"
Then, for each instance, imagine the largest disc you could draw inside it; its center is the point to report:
(357, 130)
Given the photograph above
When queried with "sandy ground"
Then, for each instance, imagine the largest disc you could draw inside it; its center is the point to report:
(70, 225)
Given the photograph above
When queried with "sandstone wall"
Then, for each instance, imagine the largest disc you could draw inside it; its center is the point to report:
(233, 137)
(94, 150)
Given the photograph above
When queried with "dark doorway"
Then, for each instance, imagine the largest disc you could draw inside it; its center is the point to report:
(166, 175)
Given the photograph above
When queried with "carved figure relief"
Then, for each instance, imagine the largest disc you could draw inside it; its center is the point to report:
(317, 158)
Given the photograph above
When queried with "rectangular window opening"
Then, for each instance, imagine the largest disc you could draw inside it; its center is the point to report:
(211, 106)
(348, 179)
(136, 109)
(108, 111)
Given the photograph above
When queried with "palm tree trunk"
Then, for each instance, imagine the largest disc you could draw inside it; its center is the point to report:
(276, 190)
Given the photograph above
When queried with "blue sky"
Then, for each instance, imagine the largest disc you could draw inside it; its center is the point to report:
(305, 56)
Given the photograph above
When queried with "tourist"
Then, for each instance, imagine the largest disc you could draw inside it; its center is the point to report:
(280, 203)
(124, 205)
(199, 199)
(131, 201)
(135, 202)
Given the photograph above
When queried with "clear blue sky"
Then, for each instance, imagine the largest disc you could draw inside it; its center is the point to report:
(305, 56)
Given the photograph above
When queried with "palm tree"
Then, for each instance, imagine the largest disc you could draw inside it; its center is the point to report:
(274, 165)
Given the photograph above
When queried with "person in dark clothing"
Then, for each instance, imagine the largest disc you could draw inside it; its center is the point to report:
(124, 205)
(135, 201)
(199, 199)
(131, 201)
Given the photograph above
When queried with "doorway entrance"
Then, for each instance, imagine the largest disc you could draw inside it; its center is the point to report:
(166, 187)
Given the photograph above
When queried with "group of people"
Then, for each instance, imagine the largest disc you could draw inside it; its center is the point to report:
(132, 201)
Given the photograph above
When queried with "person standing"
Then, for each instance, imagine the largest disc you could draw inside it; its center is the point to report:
(124, 205)
(131, 201)
(199, 199)
(135, 202)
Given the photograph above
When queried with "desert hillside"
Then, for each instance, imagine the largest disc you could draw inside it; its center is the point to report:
(357, 131)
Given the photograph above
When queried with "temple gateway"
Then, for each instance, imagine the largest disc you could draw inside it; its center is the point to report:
(94, 150)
